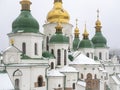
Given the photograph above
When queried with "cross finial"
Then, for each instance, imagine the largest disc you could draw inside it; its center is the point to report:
(98, 13)
(76, 22)
(12, 42)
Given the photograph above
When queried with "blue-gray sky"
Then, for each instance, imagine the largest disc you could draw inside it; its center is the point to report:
(83, 10)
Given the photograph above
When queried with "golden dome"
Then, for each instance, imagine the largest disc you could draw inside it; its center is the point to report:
(98, 23)
(58, 12)
(76, 30)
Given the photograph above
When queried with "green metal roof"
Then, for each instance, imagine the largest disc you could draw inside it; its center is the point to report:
(99, 40)
(71, 58)
(59, 38)
(76, 42)
(86, 43)
(47, 54)
(25, 22)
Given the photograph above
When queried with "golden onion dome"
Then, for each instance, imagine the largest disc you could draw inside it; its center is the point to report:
(76, 30)
(98, 23)
(58, 12)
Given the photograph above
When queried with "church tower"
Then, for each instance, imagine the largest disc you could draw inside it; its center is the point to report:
(76, 40)
(86, 45)
(100, 42)
(25, 32)
(51, 21)
(58, 45)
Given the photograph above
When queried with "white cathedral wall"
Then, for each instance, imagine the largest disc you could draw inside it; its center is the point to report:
(102, 87)
(85, 69)
(11, 57)
(71, 77)
(54, 82)
(109, 69)
(45, 61)
(88, 50)
(62, 47)
(30, 39)
(117, 68)
(24, 79)
(104, 52)
(29, 76)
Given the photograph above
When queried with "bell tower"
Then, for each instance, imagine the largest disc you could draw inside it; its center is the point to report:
(25, 32)
(57, 12)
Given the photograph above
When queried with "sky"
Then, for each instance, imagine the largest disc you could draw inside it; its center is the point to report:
(84, 10)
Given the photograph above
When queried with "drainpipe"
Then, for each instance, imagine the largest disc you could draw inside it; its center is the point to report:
(46, 76)
(64, 81)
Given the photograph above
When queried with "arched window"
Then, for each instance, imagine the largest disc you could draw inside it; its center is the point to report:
(65, 61)
(89, 76)
(47, 41)
(17, 84)
(17, 73)
(40, 81)
(58, 57)
(82, 76)
(87, 55)
(24, 48)
(36, 49)
(100, 55)
(73, 86)
(52, 65)
(59, 85)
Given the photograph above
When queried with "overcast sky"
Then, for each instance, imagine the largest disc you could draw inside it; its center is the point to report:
(83, 10)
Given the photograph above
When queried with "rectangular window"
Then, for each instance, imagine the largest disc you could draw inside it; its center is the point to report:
(36, 49)
(24, 48)
(58, 57)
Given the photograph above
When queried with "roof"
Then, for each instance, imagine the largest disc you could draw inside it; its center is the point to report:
(12, 49)
(115, 79)
(47, 54)
(5, 82)
(68, 69)
(58, 13)
(81, 83)
(54, 73)
(82, 59)
(25, 23)
(119, 76)
(59, 38)
(76, 42)
(86, 43)
(99, 40)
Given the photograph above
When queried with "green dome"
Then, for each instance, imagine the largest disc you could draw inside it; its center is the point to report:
(26, 23)
(86, 43)
(47, 55)
(76, 42)
(59, 38)
(99, 40)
